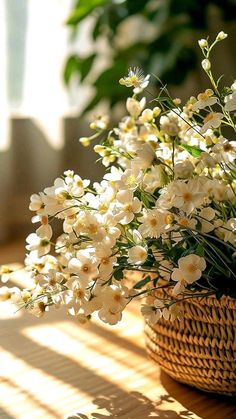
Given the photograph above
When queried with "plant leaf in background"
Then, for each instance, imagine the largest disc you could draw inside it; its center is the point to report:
(78, 66)
(157, 36)
(82, 9)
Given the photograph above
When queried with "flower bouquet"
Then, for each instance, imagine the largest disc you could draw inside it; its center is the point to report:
(165, 210)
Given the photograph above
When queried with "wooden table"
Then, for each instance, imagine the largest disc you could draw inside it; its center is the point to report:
(54, 368)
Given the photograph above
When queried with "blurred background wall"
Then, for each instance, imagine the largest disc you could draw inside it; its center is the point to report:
(60, 65)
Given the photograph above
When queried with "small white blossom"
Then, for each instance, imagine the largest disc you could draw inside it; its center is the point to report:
(212, 120)
(190, 269)
(135, 79)
(205, 99)
(230, 102)
(137, 255)
(206, 64)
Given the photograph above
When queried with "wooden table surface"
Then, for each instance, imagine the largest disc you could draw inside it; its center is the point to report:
(54, 368)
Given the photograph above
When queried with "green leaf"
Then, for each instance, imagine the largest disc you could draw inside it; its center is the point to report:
(118, 275)
(143, 282)
(200, 250)
(83, 9)
(85, 66)
(79, 66)
(72, 66)
(155, 281)
(192, 149)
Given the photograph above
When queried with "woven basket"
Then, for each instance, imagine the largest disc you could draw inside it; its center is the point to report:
(200, 350)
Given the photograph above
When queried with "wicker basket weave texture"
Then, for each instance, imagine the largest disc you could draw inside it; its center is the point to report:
(200, 350)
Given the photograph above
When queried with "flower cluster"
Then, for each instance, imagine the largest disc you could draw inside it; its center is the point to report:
(164, 209)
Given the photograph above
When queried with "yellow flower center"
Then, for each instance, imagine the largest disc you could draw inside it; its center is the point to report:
(205, 95)
(228, 147)
(131, 180)
(79, 293)
(128, 207)
(187, 196)
(169, 218)
(79, 183)
(184, 222)
(153, 222)
(142, 254)
(92, 228)
(85, 268)
(117, 297)
(105, 261)
(209, 117)
(52, 281)
(191, 268)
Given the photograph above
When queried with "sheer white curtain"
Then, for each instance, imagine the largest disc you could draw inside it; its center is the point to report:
(38, 117)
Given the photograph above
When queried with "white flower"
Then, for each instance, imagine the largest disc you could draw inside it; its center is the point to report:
(78, 295)
(203, 43)
(206, 215)
(135, 107)
(135, 79)
(92, 226)
(187, 195)
(153, 179)
(100, 123)
(77, 188)
(38, 244)
(212, 120)
(115, 296)
(224, 150)
(230, 102)
(186, 222)
(127, 206)
(44, 231)
(147, 116)
(131, 179)
(137, 255)
(36, 203)
(229, 231)
(150, 313)
(178, 276)
(84, 265)
(170, 124)
(221, 35)
(204, 99)
(57, 197)
(206, 64)
(183, 170)
(144, 157)
(152, 224)
(52, 278)
(190, 269)
(111, 315)
(106, 261)
(5, 294)
(38, 309)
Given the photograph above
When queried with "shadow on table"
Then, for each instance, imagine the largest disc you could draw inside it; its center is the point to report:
(203, 399)
(134, 405)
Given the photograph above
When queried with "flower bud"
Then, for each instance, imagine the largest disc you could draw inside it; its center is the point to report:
(177, 101)
(221, 35)
(85, 141)
(202, 43)
(233, 87)
(5, 294)
(99, 148)
(147, 116)
(134, 107)
(156, 111)
(206, 64)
